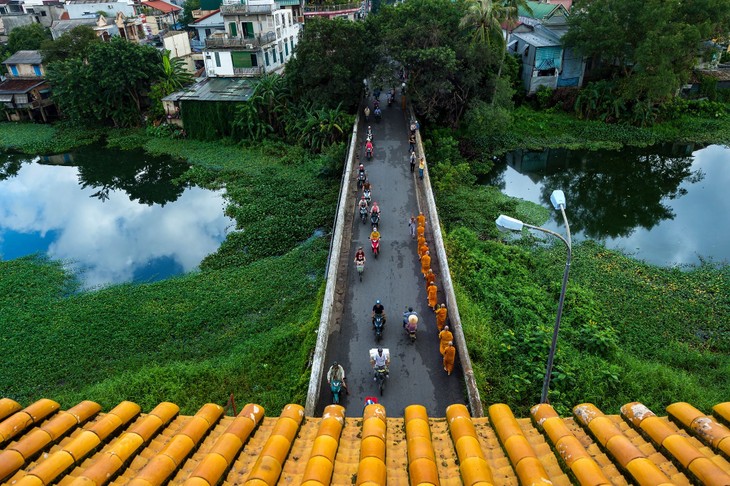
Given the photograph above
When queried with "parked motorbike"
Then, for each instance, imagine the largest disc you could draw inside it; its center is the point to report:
(375, 245)
(379, 325)
(381, 373)
(336, 388)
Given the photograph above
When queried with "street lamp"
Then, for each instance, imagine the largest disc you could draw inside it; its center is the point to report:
(505, 223)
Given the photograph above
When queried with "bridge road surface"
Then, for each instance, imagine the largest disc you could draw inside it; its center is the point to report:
(416, 369)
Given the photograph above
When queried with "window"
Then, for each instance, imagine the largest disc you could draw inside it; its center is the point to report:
(37, 70)
(273, 54)
(291, 41)
(217, 59)
(286, 49)
(254, 60)
(247, 30)
(242, 59)
(14, 69)
(43, 13)
(266, 57)
(232, 28)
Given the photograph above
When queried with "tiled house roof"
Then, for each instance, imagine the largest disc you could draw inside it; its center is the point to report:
(41, 445)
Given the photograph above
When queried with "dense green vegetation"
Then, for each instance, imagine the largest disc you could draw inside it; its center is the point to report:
(630, 331)
(245, 323)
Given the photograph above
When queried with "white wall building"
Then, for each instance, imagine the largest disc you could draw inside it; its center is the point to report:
(83, 9)
(259, 37)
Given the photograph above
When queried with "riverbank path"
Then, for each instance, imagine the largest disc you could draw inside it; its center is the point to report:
(416, 370)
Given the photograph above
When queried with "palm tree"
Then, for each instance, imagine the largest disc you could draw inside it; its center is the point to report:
(173, 74)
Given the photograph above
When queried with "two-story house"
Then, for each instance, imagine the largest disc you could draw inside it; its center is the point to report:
(25, 93)
(259, 37)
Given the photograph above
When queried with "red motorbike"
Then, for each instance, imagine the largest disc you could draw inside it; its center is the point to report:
(375, 245)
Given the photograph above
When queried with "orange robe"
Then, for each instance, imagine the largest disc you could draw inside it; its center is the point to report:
(430, 278)
(420, 230)
(432, 290)
(421, 220)
(449, 355)
(422, 250)
(445, 337)
(441, 318)
(425, 264)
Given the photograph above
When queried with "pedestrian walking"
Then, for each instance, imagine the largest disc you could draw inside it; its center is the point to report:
(425, 263)
(412, 143)
(441, 317)
(432, 292)
(421, 219)
(445, 337)
(419, 244)
(422, 249)
(430, 278)
(421, 166)
(449, 355)
(412, 227)
(413, 128)
(367, 113)
(413, 161)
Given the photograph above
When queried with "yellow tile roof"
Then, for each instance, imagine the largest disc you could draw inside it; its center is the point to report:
(42, 444)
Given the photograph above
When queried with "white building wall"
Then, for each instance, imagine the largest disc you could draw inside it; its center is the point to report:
(213, 69)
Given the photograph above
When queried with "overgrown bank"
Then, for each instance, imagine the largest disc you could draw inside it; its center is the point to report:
(245, 323)
(630, 331)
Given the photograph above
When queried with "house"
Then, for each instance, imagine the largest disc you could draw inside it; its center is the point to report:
(205, 26)
(25, 92)
(259, 37)
(130, 28)
(296, 7)
(160, 15)
(103, 29)
(538, 40)
(45, 11)
(348, 11)
(177, 42)
(84, 9)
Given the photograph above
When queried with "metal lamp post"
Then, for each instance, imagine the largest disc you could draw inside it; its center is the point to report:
(505, 223)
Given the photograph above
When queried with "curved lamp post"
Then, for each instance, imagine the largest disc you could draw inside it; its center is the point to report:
(505, 223)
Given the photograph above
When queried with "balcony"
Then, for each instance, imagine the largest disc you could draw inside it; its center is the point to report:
(246, 9)
(249, 71)
(243, 43)
(331, 8)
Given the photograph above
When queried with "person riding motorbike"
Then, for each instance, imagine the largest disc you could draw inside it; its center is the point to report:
(359, 254)
(370, 133)
(378, 113)
(366, 193)
(375, 234)
(367, 113)
(380, 360)
(369, 149)
(363, 204)
(406, 315)
(375, 209)
(375, 240)
(366, 185)
(337, 372)
(378, 310)
(362, 175)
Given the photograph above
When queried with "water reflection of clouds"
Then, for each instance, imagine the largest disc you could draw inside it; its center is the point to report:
(112, 240)
(698, 228)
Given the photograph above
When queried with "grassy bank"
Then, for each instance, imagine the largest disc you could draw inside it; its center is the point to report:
(245, 323)
(630, 331)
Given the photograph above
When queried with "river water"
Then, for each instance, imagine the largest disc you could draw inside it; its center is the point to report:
(111, 216)
(666, 205)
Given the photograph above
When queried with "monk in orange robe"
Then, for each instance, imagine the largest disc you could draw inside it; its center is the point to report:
(421, 220)
(430, 278)
(445, 337)
(420, 230)
(432, 291)
(425, 263)
(449, 355)
(422, 250)
(441, 313)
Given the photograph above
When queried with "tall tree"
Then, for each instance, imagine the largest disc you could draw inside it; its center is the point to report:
(27, 38)
(74, 43)
(332, 59)
(107, 86)
(187, 15)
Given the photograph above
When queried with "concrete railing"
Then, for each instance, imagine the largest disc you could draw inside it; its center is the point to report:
(320, 350)
(475, 403)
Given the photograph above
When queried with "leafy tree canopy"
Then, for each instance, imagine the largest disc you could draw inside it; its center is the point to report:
(74, 43)
(27, 38)
(333, 57)
(651, 45)
(107, 86)
(188, 7)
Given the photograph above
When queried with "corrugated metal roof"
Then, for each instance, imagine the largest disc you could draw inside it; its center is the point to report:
(536, 40)
(18, 86)
(62, 26)
(24, 57)
(539, 10)
(216, 89)
(163, 7)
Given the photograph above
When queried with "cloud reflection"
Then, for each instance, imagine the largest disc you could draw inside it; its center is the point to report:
(109, 241)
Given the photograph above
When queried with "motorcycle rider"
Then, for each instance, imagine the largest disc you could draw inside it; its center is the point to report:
(375, 234)
(380, 361)
(378, 113)
(360, 255)
(406, 316)
(375, 209)
(337, 372)
(378, 311)
(369, 148)
(370, 133)
(363, 204)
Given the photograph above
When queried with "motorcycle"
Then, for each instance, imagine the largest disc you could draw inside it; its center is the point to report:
(361, 179)
(360, 265)
(379, 326)
(363, 214)
(375, 245)
(366, 193)
(410, 325)
(378, 115)
(381, 373)
(369, 153)
(336, 388)
(374, 218)
(369, 135)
